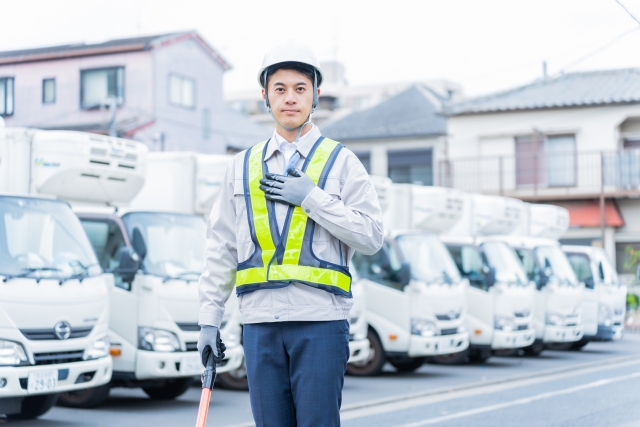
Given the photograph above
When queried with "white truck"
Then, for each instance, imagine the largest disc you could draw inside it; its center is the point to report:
(54, 310)
(604, 299)
(416, 304)
(500, 297)
(559, 294)
(155, 259)
(189, 183)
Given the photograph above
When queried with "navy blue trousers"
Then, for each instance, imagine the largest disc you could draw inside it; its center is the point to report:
(296, 372)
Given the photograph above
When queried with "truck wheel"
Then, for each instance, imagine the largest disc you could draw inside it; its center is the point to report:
(579, 345)
(407, 365)
(374, 363)
(171, 389)
(459, 358)
(534, 349)
(34, 406)
(234, 380)
(87, 398)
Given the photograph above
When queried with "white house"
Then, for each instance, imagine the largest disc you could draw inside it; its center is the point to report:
(573, 141)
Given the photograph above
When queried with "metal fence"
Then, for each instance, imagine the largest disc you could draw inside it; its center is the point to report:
(547, 175)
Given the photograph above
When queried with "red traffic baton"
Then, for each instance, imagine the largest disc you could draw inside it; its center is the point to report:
(208, 378)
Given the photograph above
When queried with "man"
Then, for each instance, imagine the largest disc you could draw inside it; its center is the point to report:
(289, 215)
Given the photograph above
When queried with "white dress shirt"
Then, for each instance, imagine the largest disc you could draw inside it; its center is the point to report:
(348, 218)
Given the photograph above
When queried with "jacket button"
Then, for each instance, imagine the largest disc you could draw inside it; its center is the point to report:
(307, 210)
(277, 317)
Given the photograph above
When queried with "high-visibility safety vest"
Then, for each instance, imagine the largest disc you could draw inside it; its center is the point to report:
(283, 257)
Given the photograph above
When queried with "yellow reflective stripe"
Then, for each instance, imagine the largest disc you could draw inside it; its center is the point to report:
(298, 223)
(251, 276)
(320, 276)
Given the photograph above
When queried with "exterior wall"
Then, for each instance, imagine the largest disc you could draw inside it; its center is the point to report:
(183, 127)
(66, 112)
(378, 149)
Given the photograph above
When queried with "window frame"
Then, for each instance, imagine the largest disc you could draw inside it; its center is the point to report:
(55, 90)
(116, 68)
(195, 91)
(4, 80)
(405, 158)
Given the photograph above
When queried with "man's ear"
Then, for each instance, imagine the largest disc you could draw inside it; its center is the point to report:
(263, 94)
(318, 92)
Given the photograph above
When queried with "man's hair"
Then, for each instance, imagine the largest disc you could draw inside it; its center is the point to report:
(304, 71)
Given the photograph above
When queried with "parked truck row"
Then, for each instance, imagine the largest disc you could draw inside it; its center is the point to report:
(102, 244)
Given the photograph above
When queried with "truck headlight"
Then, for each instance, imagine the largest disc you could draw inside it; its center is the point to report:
(424, 327)
(555, 319)
(604, 315)
(151, 339)
(504, 323)
(99, 348)
(12, 354)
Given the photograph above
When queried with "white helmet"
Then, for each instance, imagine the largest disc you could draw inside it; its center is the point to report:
(290, 53)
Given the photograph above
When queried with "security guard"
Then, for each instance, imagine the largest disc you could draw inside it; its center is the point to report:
(289, 215)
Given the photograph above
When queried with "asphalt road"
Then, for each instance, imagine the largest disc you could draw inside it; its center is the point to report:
(598, 386)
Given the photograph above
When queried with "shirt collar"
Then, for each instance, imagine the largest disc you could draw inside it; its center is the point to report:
(305, 143)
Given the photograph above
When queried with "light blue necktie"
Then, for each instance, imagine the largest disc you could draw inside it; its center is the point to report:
(292, 162)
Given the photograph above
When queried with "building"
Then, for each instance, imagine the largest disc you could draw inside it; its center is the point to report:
(573, 141)
(167, 90)
(403, 137)
(337, 98)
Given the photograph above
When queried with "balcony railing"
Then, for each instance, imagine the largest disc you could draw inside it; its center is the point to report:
(547, 176)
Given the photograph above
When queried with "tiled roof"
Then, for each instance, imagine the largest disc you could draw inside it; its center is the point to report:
(413, 112)
(111, 46)
(580, 89)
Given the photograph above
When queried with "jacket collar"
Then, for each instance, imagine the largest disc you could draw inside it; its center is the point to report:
(305, 143)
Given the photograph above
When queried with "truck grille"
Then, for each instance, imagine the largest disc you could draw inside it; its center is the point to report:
(451, 331)
(189, 327)
(523, 327)
(49, 334)
(448, 316)
(58, 357)
(192, 346)
(524, 313)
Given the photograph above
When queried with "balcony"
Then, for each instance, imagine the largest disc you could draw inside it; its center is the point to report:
(547, 176)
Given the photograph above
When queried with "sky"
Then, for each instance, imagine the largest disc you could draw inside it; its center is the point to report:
(484, 45)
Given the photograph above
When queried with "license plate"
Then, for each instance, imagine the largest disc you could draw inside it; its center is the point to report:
(42, 381)
(191, 367)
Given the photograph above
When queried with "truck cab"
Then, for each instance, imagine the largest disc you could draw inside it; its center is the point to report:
(54, 307)
(604, 299)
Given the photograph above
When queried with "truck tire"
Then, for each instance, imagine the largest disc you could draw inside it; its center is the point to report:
(374, 363)
(459, 358)
(534, 349)
(234, 380)
(87, 398)
(407, 365)
(34, 406)
(172, 388)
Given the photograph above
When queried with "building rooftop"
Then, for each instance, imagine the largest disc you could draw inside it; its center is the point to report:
(412, 112)
(580, 89)
(130, 44)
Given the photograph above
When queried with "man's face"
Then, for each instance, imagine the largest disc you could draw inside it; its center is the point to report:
(290, 96)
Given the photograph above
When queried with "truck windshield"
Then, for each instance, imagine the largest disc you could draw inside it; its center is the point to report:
(43, 239)
(175, 243)
(506, 263)
(607, 273)
(429, 259)
(468, 259)
(552, 257)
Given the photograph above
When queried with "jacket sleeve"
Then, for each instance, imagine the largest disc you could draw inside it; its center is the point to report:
(355, 218)
(221, 258)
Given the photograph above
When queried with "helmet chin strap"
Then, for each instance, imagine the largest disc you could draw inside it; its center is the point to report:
(313, 108)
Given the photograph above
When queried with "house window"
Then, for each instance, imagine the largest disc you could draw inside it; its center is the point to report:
(206, 123)
(182, 91)
(411, 166)
(546, 160)
(48, 91)
(98, 86)
(6, 96)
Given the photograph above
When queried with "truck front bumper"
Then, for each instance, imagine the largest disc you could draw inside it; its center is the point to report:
(91, 373)
(420, 346)
(358, 350)
(562, 333)
(158, 365)
(503, 340)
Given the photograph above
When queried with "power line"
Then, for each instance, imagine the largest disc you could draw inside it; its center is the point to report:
(628, 11)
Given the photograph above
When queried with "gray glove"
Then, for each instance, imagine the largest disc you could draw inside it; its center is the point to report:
(291, 190)
(209, 341)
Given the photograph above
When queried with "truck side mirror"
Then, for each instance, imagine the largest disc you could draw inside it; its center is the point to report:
(138, 243)
(601, 271)
(403, 275)
(491, 276)
(129, 264)
(638, 273)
